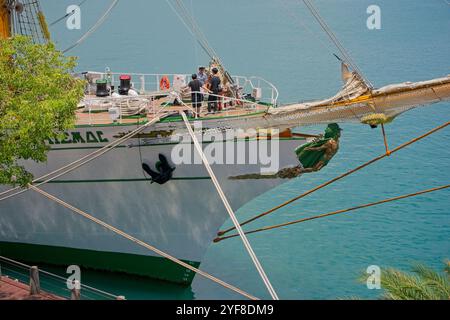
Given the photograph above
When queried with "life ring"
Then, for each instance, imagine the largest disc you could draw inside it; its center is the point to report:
(164, 83)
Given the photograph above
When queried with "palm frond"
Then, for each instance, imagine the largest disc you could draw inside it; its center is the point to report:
(423, 283)
(437, 282)
(399, 285)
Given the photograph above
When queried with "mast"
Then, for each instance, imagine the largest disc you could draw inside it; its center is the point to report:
(5, 26)
(23, 17)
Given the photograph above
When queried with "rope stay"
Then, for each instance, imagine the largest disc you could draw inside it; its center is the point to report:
(230, 211)
(141, 243)
(336, 41)
(94, 27)
(332, 213)
(67, 15)
(297, 19)
(323, 185)
(191, 25)
(386, 145)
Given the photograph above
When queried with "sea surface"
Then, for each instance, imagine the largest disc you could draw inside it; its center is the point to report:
(280, 41)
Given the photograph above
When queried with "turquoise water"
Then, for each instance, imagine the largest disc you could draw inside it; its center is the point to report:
(319, 259)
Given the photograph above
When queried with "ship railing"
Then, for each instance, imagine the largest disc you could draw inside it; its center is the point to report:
(41, 280)
(228, 105)
(144, 83)
(142, 105)
(127, 106)
(269, 92)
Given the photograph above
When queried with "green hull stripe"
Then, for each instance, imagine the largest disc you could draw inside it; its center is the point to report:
(122, 180)
(147, 266)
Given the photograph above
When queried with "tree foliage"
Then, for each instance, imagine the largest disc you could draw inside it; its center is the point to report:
(423, 283)
(38, 99)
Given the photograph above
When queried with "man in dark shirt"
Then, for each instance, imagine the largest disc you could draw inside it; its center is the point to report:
(195, 86)
(214, 88)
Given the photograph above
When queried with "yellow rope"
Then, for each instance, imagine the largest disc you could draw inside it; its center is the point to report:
(323, 185)
(386, 146)
(337, 212)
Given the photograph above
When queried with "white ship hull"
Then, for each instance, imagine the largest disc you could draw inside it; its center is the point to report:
(181, 217)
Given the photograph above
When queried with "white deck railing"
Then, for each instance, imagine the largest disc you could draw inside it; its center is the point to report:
(134, 105)
(146, 83)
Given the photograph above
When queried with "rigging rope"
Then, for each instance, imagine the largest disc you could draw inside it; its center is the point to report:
(183, 14)
(336, 41)
(141, 243)
(386, 146)
(305, 26)
(230, 210)
(67, 15)
(196, 27)
(323, 215)
(189, 22)
(323, 185)
(94, 27)
(195, 47)
(332, 36)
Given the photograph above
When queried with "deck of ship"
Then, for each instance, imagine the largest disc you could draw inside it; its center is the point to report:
(93, 116)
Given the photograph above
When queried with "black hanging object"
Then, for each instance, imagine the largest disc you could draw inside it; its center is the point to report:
(164, 170)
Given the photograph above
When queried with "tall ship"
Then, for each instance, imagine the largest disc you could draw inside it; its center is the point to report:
(136, 126)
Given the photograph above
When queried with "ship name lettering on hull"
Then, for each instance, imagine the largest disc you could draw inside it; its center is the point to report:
(80, 137)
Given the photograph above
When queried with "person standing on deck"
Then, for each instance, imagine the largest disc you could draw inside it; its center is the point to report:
(214, 89)
(202, 76)
(196, 96)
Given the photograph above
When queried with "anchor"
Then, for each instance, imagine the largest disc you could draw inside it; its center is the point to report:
(164, 170)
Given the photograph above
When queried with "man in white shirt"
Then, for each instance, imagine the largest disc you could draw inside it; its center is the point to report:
(202, 76)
